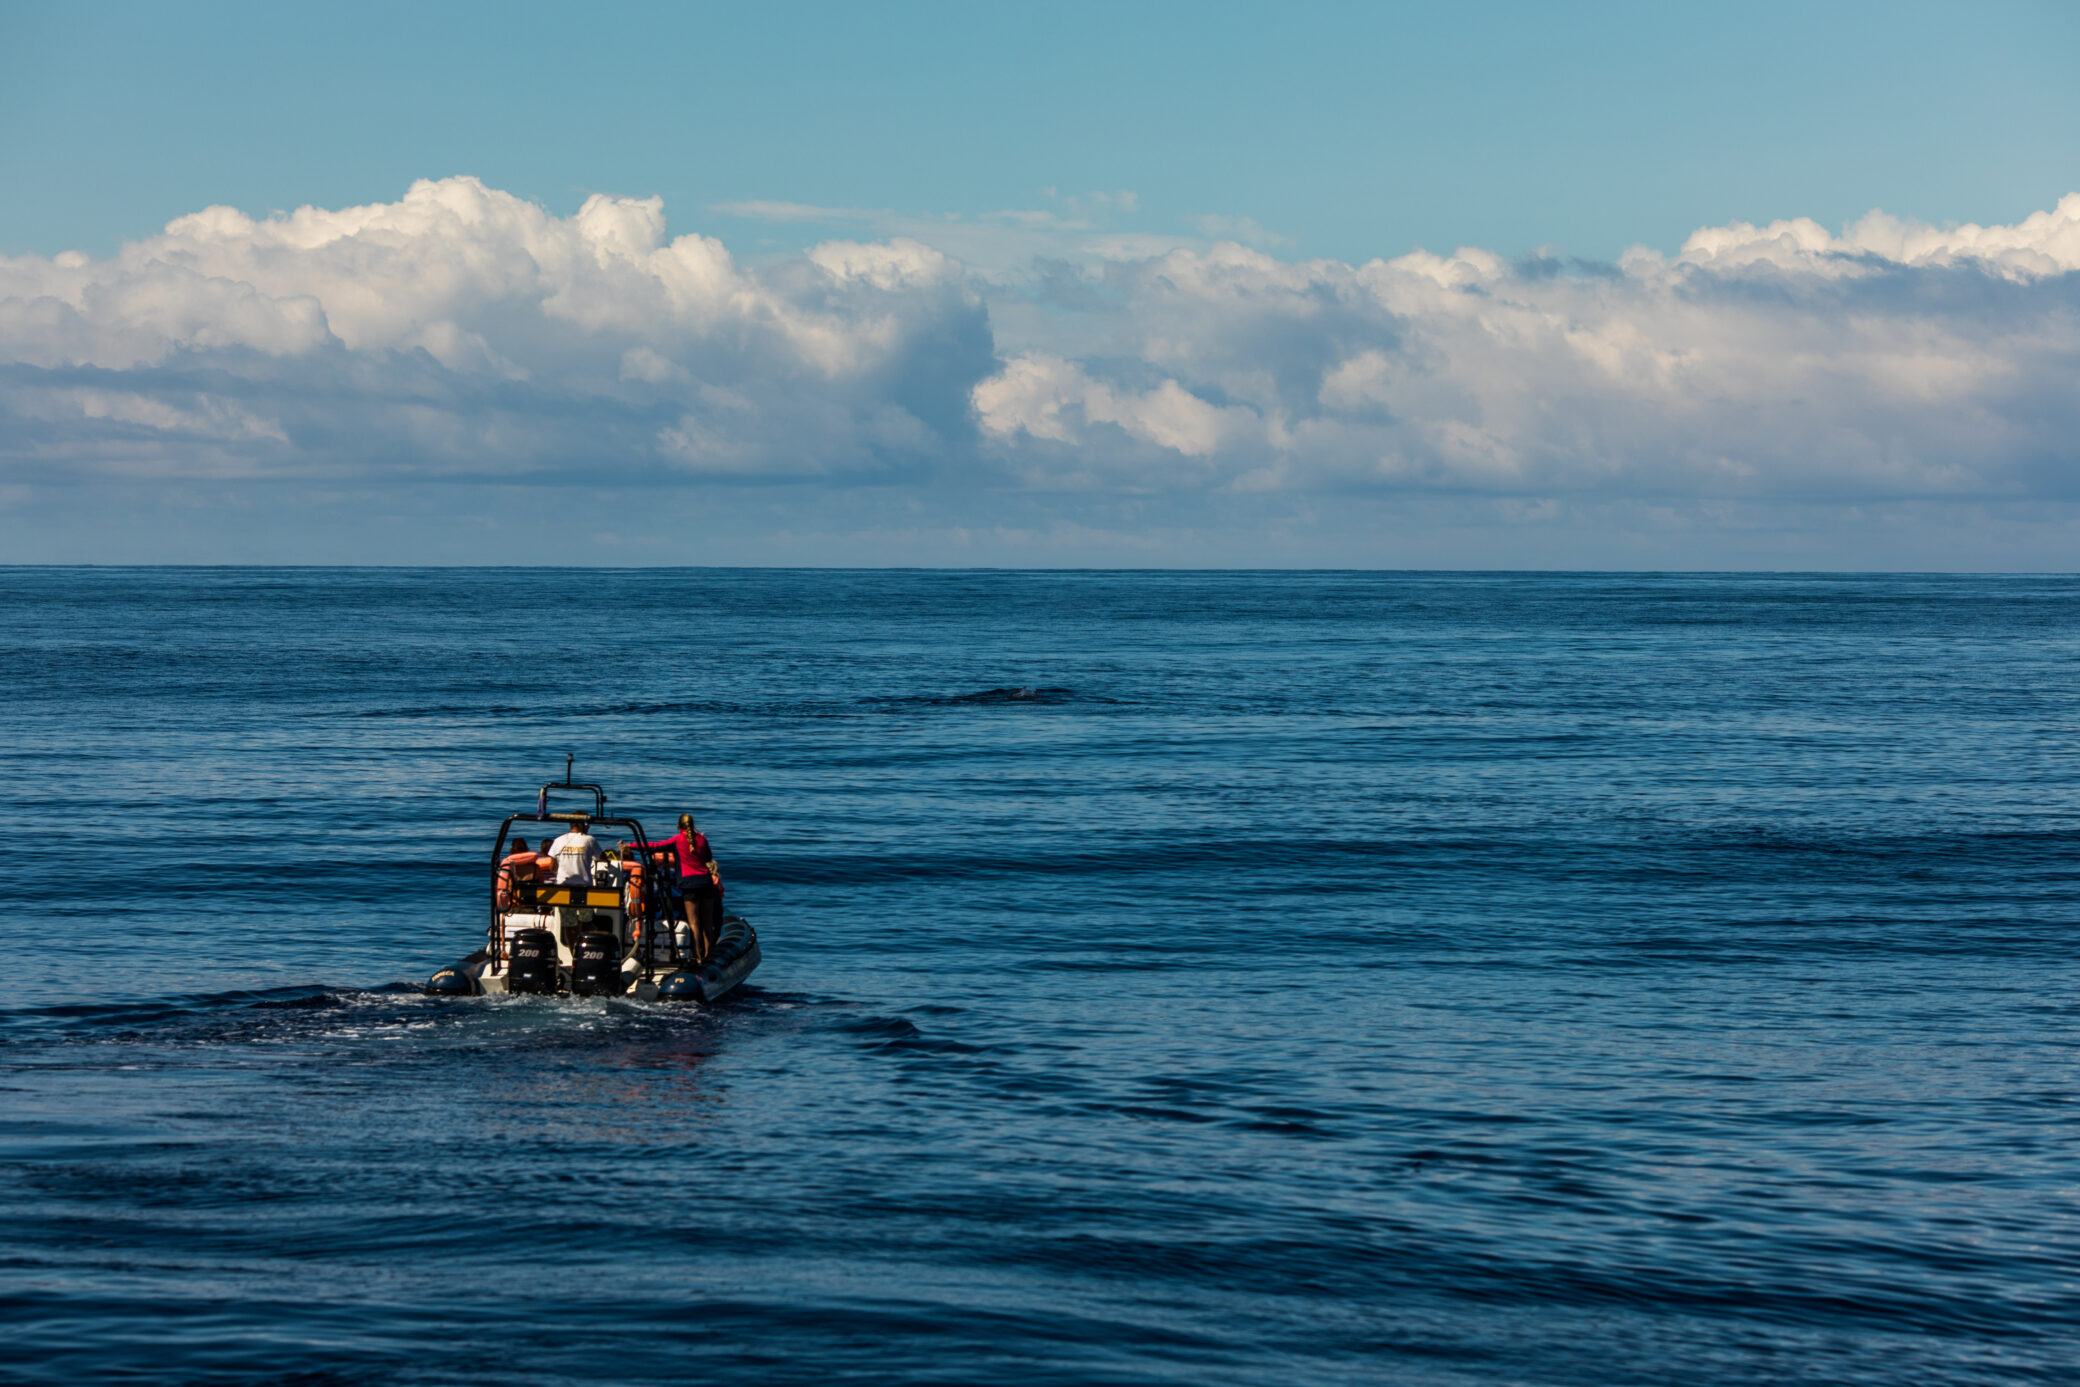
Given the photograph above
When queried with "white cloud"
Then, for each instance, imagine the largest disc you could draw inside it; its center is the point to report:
(1247, 230)
(999, 248)
(1895, 360)
(461, 331)
(1047, 398)
(2044, 243)
(462, 327)
(760, 209)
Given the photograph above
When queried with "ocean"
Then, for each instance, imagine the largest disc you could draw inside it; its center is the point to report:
(1182, 978)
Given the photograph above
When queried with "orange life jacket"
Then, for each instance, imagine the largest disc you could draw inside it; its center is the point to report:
(511, 870)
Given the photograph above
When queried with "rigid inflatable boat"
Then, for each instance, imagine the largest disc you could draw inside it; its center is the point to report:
(619, 933)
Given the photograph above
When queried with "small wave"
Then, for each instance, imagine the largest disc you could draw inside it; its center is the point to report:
(1048, 695)
(928, 1045)
(438, 710)
(147, 1011)
(880, 1027)
(1024, 694)
(317, 1014)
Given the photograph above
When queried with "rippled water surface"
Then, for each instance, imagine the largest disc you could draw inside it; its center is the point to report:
(1226, 978)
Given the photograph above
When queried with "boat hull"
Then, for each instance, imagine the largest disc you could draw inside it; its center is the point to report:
(734, 958)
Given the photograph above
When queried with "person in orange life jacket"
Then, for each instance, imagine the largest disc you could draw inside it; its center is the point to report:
(700, 884)
(521, 863)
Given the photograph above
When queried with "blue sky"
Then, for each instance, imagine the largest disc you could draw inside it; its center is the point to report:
(1355, 130)
(1062, 350)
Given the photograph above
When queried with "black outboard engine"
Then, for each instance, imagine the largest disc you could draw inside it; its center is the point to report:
(531, 965)
(597, 969)
(451, 982)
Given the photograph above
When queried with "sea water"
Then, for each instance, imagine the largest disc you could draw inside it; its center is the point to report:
(1169, 978)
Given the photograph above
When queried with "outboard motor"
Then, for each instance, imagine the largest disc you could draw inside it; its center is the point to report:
(451, 982)
(596, 971)
(531, 962)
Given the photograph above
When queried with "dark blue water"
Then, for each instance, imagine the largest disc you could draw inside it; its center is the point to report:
(1168, 979)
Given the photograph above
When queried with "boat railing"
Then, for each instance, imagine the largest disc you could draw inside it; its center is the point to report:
(655, 897)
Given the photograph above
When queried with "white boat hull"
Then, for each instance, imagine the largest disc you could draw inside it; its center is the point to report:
(666, 977)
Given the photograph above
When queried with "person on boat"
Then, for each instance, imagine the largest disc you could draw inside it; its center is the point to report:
(576, 852)
(519, 864)
(700, 884)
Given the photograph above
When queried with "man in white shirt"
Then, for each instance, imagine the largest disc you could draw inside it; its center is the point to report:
(576, 852)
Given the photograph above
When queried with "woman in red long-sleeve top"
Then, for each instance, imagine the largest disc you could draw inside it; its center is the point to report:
(700, 884)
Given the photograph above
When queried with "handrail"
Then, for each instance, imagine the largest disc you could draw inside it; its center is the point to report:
(654, 895)
(599, 794)
(599, 797)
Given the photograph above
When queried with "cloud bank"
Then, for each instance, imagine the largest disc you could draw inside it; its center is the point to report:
(464, 331)
(1895, 361)
(465, 334)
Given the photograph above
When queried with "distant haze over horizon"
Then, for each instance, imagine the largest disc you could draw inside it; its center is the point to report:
(1348, 287)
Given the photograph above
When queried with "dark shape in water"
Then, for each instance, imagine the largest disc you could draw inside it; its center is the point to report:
(1025, 694)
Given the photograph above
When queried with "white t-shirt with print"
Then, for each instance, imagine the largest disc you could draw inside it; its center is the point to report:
(575, 853)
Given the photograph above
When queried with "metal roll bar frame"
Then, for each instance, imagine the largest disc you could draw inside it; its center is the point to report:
(655, 898)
